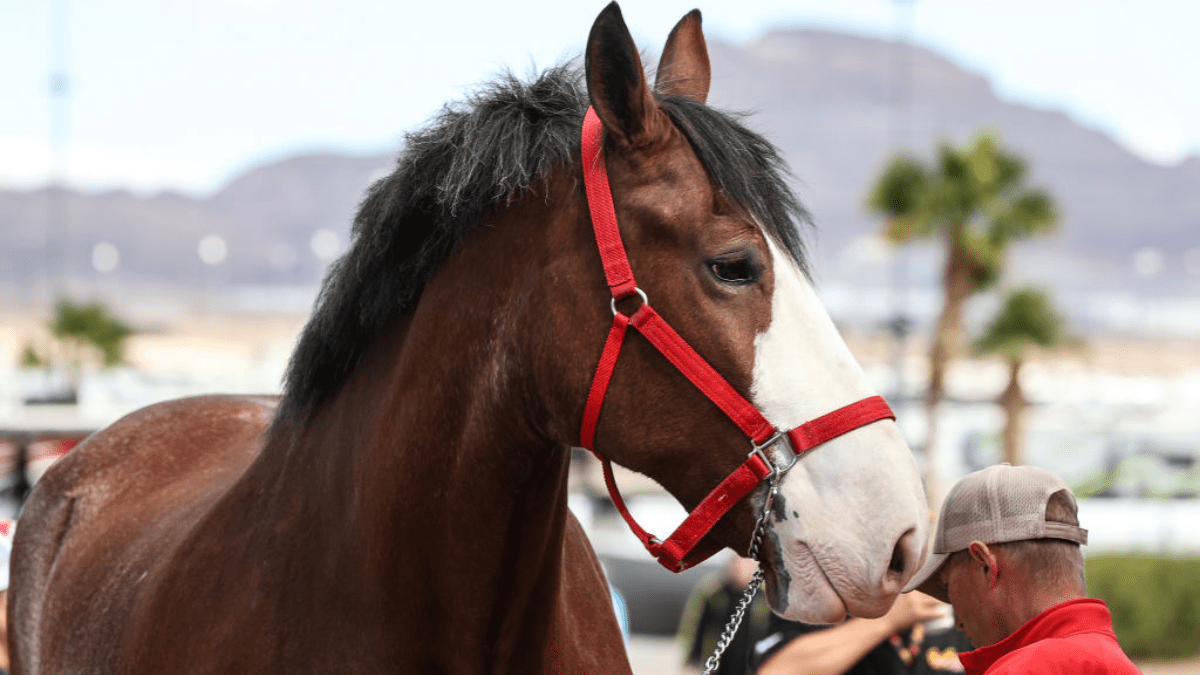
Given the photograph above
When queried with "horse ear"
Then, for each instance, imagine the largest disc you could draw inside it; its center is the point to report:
(684, 68)
(617, 84)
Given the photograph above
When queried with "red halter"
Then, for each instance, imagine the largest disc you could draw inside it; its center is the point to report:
(674, 552)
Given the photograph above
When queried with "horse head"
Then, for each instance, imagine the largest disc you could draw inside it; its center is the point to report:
(710, 229)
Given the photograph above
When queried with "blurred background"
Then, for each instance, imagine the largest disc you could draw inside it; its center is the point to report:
(175, 176)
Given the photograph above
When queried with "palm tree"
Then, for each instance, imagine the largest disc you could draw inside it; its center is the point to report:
(1026, 322)
(976, 202)
(83, 327)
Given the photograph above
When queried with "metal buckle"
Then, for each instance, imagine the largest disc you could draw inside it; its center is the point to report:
(760, 450)
(645, 300)
(772, 479)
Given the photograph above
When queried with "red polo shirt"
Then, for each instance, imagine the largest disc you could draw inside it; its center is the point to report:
(1073, 637)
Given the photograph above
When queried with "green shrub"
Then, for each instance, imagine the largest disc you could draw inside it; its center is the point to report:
(1155, 602)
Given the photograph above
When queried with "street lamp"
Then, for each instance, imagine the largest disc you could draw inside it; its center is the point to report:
(212, 251)
(325, 244)
(105, 257)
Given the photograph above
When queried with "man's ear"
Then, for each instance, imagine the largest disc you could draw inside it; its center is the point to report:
(986, 558)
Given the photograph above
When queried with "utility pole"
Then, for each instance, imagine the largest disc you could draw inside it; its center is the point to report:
(900, 132)
(901, 323)
(58, 221)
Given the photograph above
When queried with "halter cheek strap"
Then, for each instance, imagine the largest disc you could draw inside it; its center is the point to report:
(674, 553)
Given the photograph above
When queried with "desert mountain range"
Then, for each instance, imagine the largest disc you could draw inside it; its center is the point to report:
(830, 101)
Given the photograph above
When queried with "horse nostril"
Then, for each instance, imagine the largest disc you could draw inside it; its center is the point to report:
(905, 556)
(897, 563)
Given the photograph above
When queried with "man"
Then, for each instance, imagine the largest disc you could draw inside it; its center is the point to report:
(1006, 556)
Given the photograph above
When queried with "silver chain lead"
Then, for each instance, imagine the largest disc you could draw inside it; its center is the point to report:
(735, 621)
(739, 612)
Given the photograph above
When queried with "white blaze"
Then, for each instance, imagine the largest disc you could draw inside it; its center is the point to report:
(802, 366)
(846, 503)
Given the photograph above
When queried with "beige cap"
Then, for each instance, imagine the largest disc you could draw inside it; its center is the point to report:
(998, 504)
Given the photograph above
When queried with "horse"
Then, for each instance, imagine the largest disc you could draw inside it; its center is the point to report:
(402, 507)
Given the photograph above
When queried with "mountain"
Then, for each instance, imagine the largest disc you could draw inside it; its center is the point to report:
(830, 101)
(267, 217)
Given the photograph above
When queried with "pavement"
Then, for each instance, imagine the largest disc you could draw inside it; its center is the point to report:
(658, 655)
(654, 655)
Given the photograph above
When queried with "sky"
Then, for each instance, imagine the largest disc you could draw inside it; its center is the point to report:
(185, 94)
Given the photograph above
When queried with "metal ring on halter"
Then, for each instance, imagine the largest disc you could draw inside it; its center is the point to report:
(760, 450)
(645, 300)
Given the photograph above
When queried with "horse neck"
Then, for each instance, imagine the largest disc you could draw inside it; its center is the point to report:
(433, 456)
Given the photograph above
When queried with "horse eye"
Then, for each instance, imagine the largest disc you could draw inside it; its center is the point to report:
(734, 270)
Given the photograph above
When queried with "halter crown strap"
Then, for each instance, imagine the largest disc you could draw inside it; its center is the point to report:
(674, 553)
(604, 216)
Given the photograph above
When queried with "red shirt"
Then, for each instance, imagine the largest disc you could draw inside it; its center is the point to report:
(1073, 637)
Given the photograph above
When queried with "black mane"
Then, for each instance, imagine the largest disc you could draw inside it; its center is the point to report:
(473, 156)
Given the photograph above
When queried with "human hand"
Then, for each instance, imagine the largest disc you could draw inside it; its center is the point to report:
(913, 608)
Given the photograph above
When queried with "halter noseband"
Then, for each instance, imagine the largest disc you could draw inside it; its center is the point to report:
(674, 553)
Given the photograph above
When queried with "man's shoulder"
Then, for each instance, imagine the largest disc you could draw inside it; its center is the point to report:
(710, 594)
(1091, 653)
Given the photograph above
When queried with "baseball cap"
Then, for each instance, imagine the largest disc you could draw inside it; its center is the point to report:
(998, 504)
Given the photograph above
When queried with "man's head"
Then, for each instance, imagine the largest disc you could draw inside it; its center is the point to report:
(739, 571)
(1006, 548)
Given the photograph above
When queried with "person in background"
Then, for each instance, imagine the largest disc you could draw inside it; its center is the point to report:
(708, 610)
(620, 609)
(1006, 555)
(6, 533)
(897, 643)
